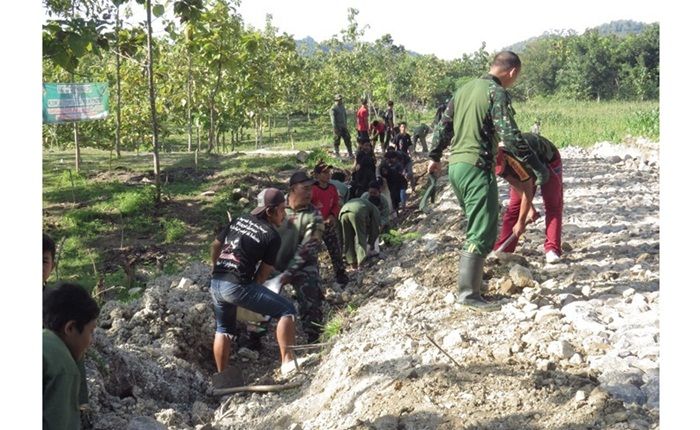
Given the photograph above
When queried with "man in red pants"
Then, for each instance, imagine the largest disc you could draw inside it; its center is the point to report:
(522, 190)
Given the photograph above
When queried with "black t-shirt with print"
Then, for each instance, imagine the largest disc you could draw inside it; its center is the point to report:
(247, 241)
(402, 141)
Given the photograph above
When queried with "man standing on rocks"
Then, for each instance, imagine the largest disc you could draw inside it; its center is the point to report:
(475, 120)
(237, 278)
(522, 189)
(301, 234)
(339, 120)
(324, 197)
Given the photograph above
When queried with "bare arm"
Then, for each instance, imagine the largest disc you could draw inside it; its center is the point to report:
(216, 248)
(527, 191)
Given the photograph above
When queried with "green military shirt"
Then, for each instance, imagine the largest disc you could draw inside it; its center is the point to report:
(343, 190)
(542, 147)
(368, 210)
(61, 384)
(421, 131)
(476, 119)
(301, 233)
(384, 212)
(339, 117)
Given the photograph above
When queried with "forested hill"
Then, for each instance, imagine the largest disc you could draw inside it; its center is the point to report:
(621, 27)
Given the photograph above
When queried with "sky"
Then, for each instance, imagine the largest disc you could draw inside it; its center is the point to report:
(447, 29)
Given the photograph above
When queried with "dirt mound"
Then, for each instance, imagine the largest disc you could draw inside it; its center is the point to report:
(574, 346)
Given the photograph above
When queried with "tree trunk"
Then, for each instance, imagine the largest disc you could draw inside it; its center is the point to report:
(152, 98)
(117, 131)
(212, 95)
(289, 129)
(189, 102)
(233, 139)
(199, 139)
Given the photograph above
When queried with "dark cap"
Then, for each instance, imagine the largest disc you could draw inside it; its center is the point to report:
(268, 198)
(321, 166)
(300, 177)
(338, 97)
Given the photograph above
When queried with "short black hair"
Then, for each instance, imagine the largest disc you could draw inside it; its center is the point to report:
(339, 176)
(506, 60)
(49, 245)
(376, 184)
(390, 103)
(68, 302)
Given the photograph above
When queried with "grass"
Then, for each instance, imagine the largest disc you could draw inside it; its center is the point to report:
(102, 208)
(396, 238)
(569, 123)
(337, 322)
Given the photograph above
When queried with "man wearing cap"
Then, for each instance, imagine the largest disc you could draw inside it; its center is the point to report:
(237, 279)
(362, 124)
(301, 234)
(359, 220)
(324, 196)
(339, 120)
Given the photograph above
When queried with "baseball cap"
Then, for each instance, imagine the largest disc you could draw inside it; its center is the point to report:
(299, 177)
(321, 166)
(268, 198)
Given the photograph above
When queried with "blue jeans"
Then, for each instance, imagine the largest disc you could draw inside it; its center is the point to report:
(252, 296)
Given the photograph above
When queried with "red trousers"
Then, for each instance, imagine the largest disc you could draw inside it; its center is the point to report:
(553, 197)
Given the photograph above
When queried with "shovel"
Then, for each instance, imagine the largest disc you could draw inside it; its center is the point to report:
(512, 236)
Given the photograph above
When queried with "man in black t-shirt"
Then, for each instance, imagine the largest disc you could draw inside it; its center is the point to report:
(237, 277)
(402, 140)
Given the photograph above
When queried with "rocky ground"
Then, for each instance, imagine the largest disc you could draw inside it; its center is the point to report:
(575, 346)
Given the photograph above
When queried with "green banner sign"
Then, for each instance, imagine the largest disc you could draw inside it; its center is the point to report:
(74, 102)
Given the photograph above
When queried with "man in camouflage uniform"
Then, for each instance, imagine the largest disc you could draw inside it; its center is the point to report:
(419, 134)
(339, 120)
(359, 220)
(301, 234)
(475, 120)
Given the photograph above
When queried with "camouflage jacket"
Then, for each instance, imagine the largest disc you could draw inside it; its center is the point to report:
(301, 233)
(479, 116)
(339, 118)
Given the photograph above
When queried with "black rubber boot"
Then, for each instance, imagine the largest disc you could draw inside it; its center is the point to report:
(471, 271)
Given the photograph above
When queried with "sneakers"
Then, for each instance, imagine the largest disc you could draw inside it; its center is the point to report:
(289, 367)
(551, 257)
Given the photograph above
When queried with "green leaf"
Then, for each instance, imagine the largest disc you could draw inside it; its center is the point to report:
(77, 44)
(158, 10)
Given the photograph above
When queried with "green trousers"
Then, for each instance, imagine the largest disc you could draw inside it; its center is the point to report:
(477, 193)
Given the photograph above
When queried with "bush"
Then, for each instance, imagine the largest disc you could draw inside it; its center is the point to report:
(644, 123)
(174, 230)
(135, 202)
(396, 238)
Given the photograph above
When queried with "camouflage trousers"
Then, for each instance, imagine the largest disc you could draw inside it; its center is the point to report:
(309, 295)
(333, 245)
